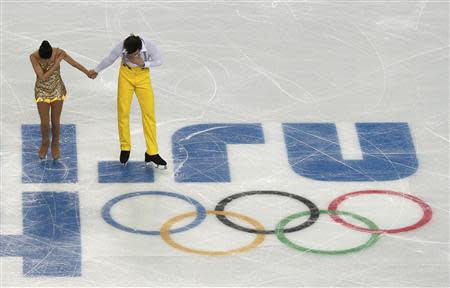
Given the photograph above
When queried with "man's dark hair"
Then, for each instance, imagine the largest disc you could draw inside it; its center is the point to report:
(45, 50)
(132, 44)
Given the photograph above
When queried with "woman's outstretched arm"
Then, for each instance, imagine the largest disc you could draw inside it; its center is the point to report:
(74, 63)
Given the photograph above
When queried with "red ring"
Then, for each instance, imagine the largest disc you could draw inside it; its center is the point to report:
(427, 212)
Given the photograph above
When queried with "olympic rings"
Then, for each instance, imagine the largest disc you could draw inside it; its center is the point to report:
(427, 212)
(106, 212)
(280, 230)
(282, 237)
(314, 211)
(165, 235)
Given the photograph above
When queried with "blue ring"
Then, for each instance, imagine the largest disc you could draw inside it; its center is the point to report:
(201, 212)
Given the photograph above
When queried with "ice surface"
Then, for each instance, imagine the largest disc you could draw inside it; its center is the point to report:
(237, 78)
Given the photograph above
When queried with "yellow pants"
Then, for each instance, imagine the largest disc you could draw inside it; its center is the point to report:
(136, 80)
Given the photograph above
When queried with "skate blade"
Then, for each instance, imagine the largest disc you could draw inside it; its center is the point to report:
(153, 165)
(124, 164)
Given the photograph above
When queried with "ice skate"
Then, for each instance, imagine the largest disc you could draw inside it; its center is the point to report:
(45, 142)
(124, 156)
(156, 161)
(55, 150)
(43, 150)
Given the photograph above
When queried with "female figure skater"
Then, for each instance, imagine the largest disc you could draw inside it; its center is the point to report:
(50, 92)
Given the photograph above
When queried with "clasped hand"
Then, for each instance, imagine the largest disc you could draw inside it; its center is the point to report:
(137, 60)
(92, 74)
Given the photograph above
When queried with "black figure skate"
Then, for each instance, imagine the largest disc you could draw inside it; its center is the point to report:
(156, 161)
(124, 156)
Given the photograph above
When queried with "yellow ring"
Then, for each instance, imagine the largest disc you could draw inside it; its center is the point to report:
(165, 234)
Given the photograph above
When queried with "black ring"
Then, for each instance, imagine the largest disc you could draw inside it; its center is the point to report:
(314, 211)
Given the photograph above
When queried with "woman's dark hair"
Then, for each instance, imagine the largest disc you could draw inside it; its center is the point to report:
(132, 44)
(45, 50)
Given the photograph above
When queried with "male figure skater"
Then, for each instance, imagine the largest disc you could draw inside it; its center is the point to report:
(138, 55)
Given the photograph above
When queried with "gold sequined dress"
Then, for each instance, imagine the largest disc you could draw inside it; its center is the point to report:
(52, 89)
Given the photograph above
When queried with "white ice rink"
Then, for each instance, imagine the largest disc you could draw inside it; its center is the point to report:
(316, 99)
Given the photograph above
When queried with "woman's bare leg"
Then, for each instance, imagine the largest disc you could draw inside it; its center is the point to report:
(44, 109)
(56, 127)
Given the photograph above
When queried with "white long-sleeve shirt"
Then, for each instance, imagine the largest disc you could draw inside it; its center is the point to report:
(149, 53)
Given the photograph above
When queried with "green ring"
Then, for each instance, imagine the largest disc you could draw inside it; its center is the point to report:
(281, 236)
